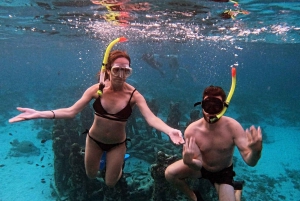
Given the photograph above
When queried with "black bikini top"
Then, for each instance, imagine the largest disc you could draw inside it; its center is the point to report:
(122, 115)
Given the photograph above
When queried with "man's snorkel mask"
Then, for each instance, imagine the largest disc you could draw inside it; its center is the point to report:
(104, 63)
(216, 107)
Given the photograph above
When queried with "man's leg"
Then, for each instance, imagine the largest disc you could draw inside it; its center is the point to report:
(176, 174)
(225, 192)
(238, 187)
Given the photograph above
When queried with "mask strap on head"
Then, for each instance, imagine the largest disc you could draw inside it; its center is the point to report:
(198, 103)
(104, 63)
(226, 103)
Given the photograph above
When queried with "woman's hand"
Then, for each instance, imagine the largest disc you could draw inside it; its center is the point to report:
(26, 114)
(176, 136)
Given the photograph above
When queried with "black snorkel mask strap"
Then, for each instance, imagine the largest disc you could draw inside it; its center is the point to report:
(198, 103)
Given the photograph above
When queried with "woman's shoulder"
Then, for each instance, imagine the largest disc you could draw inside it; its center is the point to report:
(129, 86)
(93, 87)
(136, 96)
(92, 90)
(131, 89)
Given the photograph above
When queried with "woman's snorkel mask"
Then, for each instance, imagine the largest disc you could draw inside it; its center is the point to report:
(216, 107)
(104, 63)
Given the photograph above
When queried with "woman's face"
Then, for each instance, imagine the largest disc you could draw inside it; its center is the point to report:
(120, 69)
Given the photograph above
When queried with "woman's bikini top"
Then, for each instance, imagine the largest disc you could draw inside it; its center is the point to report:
(122, 115)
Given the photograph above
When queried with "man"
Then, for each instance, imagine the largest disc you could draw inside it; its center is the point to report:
(208, 150)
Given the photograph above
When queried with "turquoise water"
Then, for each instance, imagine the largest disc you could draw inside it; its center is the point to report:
(51, 52)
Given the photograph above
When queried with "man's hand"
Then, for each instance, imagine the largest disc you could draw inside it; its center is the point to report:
(188, 154)
(254, 139)
(188, 150)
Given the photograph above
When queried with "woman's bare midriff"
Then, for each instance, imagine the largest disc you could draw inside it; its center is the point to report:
(108, 131)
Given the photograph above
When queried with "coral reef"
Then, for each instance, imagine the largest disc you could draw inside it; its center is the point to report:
(194, 116)
(78, 180)
(174, 116)
(132, 125)
(154, 107)
(86, 118)
(162, 190)
(145, 148)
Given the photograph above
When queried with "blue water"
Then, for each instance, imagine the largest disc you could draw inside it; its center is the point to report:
(43, 70)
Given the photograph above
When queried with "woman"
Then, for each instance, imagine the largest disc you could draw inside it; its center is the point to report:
(112, 109)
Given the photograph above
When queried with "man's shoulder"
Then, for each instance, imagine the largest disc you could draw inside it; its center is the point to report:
(230, 120)
(231, 123)
(194, 126)
(196, 123)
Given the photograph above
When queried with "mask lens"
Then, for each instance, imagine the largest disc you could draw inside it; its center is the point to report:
(121, 71)
(127, 71)
(115, 71)
(212, 105)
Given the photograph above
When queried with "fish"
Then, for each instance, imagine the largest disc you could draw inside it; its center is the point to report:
(43, 141)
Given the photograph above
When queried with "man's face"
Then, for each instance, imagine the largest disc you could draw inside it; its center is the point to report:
(212, 105)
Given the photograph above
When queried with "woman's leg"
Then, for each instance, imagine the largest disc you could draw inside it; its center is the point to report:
(114, 163)
(92, 158)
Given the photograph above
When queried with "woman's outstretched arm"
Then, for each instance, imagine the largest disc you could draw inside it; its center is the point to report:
(62, 113)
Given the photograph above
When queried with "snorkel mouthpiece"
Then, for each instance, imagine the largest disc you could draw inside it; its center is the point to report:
(104, 63)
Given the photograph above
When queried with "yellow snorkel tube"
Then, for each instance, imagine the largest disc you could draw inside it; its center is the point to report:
(235, 3)
(104, 63)
(233, 84)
